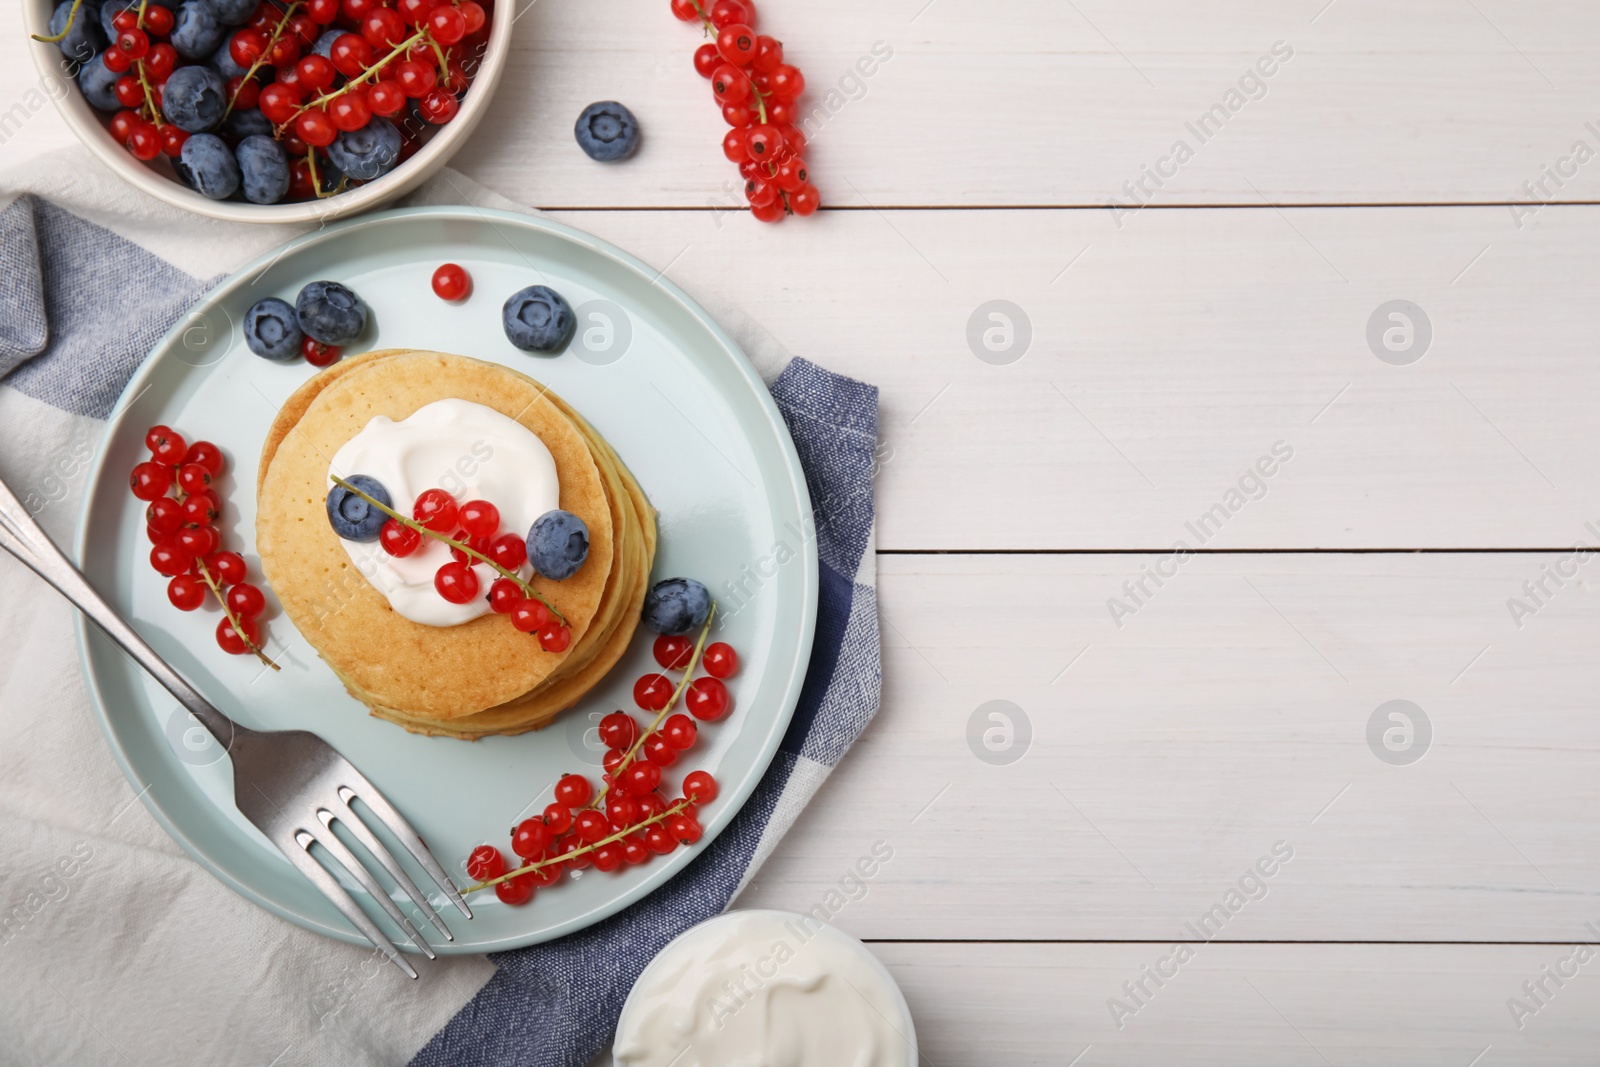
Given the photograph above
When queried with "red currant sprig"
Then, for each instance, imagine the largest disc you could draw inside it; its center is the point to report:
(186, 545)
(465, 548)
(758, 92)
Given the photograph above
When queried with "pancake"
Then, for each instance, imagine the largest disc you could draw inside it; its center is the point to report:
(398, 667)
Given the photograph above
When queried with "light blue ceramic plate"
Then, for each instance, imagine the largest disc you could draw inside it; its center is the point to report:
(655, 376)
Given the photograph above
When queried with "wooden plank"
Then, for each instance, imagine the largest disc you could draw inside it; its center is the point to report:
(1312, 1005)
(1169, 757)
(1168, 358)
(1019, 102)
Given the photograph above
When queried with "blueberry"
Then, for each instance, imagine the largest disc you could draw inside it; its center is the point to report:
(324, 45)
(271, 330)
(246, 122)
(232, 12)
(537, 319)
(330, 313)
(558, 544)
(196, 33)
(263, 168)
(223, 63)
(353, 518)
(97, 83)
(676, 606)
(84, 40)
(206, 164)
(607, 131)
(194, 98)
(369, 152)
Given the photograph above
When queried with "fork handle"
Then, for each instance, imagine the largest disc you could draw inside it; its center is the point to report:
(24, 539)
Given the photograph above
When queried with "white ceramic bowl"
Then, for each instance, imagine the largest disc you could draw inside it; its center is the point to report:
(903, 1024)
(157, 178)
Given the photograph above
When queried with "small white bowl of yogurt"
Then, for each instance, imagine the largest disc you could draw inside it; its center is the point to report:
(765, 987)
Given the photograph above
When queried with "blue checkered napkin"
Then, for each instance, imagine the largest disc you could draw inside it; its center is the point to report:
(556, 1005)
(72, 331)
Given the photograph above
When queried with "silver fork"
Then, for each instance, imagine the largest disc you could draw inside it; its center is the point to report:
(290, 783)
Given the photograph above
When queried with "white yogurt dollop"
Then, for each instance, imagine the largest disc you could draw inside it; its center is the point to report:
(472, 452)
(764, 989)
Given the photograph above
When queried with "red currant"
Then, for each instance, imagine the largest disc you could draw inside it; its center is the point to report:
(555, 638)
(165, 444)
(608, 857)
(621, 811)
(787, 82)
(242, 94)
(706, 699)
(479, 518)
(446, 24)
(680, 731)
(792, 174)
(305, 28)
(653, 691)
(673, 651)
(618, 730)
(201, 509)
(316, 128)
(650, 805)
(700, 787)
(246, 601)
(485, 863)
(150, 481)
(450, 282)
(730, 84)
(736, 145)
(720, 660)
(737, 43)
(590, 825)
(730, 12)
(707, 59)
(613, 759)
(435, 509)
(398, 539)
(133, 43)
(530, 616)
(760, 192)
(277, 103)
(172, 140)
(164, 514)
(162, 60)
(439, 107)
(684, 828)
(246, 46)
(640, 778)
(197, 540)
(479, 545)
(283, 52)
(158, 20)
(659, 751)
(686, 10)
(769, 54)
(558, 817)
(316, 73)
(763, 142)
(473, 12)
(456, 582)
(415, 79)
(227, 567)
(116, 62)
(383, 27)
(548, 875)
(193, 478)
(316, 353)
(769, 212)
(634, 851)
(186, 592)
(237, 640)
(128, 90)
(323, 11)
(530, 839)
(504, 595)
(518, 890)
(351, 54)
(385, 98)
(738, 115)
(804, 201)
(509, 551)
(659, 839)
(573, 790)
(413, 11)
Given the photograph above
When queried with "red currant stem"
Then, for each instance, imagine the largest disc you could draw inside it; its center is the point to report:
(444, 64)
(527, 589)
(149, 104)
(72, 16)
(277, 32)
(316, 183)
(671, 810)
(139, 19)
(321, 101)
(233, 619)
(683, 683)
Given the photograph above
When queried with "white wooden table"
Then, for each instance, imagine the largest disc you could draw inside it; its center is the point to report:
(1224, 711)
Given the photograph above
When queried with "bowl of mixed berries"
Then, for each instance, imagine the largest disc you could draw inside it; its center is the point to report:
(271, 110)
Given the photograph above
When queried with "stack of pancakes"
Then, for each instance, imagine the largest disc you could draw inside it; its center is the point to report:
(482, 677)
